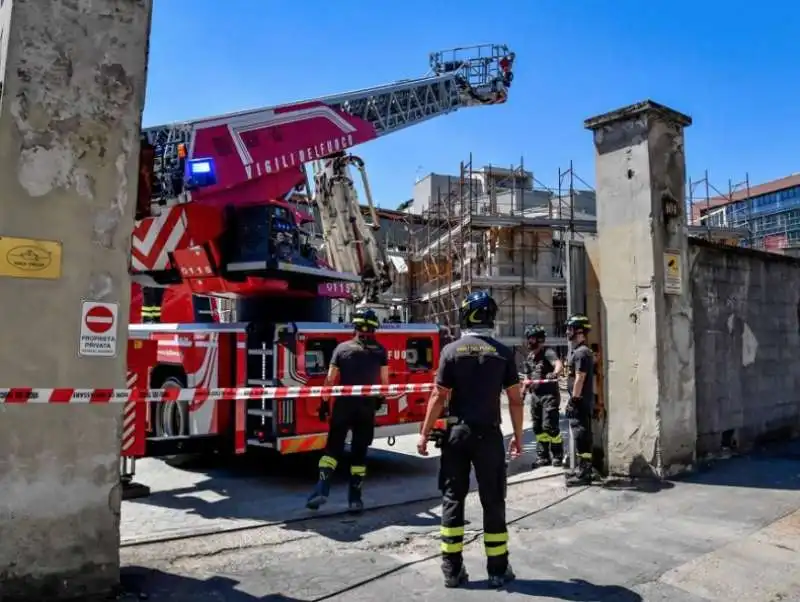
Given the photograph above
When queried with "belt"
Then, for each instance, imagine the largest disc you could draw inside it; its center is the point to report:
(455, 421)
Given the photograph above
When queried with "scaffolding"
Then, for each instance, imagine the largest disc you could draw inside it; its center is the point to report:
(724, 217)
(502, 230)
(767, 215)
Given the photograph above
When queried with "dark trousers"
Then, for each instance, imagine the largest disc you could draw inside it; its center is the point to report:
(356, 415)
(545, 408)
(484, 450)
(580, 424)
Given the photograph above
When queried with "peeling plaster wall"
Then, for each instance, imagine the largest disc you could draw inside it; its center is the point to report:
(676, 355)
(649, 371)
(747, 339)
(70, 116)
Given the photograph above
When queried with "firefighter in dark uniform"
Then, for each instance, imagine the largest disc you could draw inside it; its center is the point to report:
(542, 363)
(580, 385)
(359, 361)
(151, 304)
(473, 372)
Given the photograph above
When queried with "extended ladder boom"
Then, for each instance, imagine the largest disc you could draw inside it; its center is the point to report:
(257, 155)
(210, 214)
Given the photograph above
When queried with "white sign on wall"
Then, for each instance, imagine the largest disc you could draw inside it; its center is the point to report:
(98, 329)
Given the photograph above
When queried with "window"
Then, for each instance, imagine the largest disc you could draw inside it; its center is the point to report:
(318, 355)
(419, 354)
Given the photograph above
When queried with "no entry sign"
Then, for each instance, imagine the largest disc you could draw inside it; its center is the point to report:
(98, 329)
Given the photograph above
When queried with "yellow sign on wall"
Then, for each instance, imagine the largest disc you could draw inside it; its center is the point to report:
(673, 278)
(28, 258)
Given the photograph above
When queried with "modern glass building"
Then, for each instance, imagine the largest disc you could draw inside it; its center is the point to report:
(770, 213)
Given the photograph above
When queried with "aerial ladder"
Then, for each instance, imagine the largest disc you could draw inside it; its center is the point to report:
(212, 212)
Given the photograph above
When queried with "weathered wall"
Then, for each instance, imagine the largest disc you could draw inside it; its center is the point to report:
(73, 92)
(648, 344)
(747, 341)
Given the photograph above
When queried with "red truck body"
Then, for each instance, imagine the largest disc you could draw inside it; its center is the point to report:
(207, 356)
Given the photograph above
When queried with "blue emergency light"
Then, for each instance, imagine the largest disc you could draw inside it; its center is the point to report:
(201, 173)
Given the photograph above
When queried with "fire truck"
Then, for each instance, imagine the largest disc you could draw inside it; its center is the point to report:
(244, 294)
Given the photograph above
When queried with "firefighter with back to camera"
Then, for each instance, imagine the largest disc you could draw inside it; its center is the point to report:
(542, 364)
(580, 385)
(359, 361)
(473, 372)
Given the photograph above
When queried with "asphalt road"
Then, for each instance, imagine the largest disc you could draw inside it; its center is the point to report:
(261, 489)
(728, 533)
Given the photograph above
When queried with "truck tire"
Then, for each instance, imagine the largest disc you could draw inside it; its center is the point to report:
(172, 420)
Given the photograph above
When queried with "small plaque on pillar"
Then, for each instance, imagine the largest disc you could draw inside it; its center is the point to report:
(29, 258)
(673, 274)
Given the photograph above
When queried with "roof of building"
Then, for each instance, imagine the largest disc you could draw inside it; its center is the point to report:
(757, 190)
(699, 206)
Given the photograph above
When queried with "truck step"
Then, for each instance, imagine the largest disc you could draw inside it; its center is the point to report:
(261, 352)
(257, 443)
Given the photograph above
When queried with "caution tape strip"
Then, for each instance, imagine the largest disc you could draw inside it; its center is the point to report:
(21, 395)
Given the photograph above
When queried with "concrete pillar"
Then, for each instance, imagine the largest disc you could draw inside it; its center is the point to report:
(642, 239)
(73, 82)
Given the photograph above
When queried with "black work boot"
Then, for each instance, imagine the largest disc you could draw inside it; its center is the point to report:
(582, 475)
(498, 581)
(321, 490)
(542, 455)
(354, 503)
(454, 576)
(557, 451)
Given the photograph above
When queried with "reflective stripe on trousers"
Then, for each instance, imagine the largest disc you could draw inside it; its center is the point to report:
(452, 540)
(495, 544)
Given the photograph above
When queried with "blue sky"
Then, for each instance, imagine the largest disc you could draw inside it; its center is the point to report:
(733, 66)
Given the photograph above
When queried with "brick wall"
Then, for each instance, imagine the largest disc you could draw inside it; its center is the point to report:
(747, 344)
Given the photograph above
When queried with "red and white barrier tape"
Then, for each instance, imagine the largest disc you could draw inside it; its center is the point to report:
(103, 396)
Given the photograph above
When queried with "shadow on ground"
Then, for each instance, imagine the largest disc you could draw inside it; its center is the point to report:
(260, 489)
(139, 583)
(576, 590)
(149, 584)
(773, 466)
(271, 488)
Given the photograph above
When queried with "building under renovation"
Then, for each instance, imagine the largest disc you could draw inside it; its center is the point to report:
(500, 230)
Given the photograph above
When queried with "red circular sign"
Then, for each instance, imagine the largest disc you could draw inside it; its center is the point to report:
(99, 319)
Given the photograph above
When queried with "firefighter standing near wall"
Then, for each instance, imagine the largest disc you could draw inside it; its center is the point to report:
(542, 363)
(580, 385)
(473, 372)
(359, 361)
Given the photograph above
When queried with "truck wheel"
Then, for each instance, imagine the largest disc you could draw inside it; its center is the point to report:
(172, 420)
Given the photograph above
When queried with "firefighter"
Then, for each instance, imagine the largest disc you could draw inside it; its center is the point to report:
(359, 361)
(542, 363)
(473, 372)
(151, 304)
(580, 385)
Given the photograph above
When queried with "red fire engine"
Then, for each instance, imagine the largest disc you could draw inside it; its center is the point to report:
(245, 294)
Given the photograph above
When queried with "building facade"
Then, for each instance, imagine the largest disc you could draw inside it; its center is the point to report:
(769, 212)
